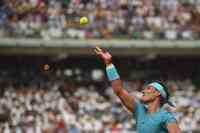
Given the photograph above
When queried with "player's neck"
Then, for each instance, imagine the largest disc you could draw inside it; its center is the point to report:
(154, 106)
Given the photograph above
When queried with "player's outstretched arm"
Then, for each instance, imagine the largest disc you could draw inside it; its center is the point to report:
(127, 100)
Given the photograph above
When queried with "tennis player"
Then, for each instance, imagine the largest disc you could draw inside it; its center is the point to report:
(148, 111)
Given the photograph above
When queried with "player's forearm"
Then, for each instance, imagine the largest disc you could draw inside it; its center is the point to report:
(117, 86)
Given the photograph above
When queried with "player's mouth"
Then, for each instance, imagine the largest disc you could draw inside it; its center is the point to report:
(145, 94)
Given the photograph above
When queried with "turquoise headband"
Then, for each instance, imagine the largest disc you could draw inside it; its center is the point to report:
(159, 88)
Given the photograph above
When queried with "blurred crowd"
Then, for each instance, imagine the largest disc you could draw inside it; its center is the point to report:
(68, 106)
(133, 19)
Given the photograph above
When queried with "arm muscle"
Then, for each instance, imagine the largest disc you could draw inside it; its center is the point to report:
(125, 98)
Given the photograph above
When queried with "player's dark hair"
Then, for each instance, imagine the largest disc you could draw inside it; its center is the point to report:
(162, 99)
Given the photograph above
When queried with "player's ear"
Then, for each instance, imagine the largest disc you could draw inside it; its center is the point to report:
(157, 94)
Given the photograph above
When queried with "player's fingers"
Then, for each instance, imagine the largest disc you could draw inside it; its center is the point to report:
(100, 54)
(98, 49)
(97, 52)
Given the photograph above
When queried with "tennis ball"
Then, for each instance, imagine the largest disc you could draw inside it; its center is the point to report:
(84, 21)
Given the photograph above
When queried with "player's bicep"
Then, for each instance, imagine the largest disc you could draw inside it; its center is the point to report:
(127, 100)
(173, 128)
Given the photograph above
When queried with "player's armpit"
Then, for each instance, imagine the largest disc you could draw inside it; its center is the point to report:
(173, 128)
(127, 100)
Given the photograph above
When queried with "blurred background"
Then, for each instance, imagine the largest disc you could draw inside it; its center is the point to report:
(51, 81)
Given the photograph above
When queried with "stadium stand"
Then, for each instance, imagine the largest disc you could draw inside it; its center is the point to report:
(134, 19)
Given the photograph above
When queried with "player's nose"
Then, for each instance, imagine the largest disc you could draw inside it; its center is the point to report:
(143, 92)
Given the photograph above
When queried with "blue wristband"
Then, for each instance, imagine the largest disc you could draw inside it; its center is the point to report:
(112, 73)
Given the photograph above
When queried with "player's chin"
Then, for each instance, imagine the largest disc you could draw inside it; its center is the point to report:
(144, 99)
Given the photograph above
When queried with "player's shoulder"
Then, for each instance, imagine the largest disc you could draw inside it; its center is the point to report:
(139, 104)
(139, 107)
(166, 112)
(167, 116)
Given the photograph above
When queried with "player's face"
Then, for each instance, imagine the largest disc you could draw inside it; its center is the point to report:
(149, 94)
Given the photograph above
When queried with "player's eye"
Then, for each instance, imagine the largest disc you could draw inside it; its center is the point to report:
(148, 88)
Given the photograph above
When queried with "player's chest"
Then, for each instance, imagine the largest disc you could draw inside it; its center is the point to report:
(154, 121)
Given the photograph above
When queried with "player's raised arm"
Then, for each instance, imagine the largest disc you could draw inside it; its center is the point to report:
(114, 78)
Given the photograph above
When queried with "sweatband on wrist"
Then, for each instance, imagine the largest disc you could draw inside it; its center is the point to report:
(112, 73)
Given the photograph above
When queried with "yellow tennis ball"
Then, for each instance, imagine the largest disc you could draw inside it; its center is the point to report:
(84, 21)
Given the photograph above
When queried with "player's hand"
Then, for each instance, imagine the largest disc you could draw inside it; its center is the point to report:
(104, 55)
